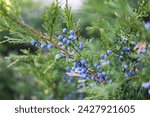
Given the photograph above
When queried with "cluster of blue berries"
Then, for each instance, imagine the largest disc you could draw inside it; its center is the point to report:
(100, 65)
(147, 86)
(128, 58)
(79, 68)
(126, 61)
(67, 41)
(82, 69)
(43, 45)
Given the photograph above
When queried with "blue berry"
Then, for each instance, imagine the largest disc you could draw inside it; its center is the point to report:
(128, 49)
(106, 78)
(138, 59)
(68, 42)
(105, 56)
(102, 56)
(73, 38)
(64, 40)
(138, 66)
(137, 35)
(75, 64)
(76, 48)
(60, 37)
(79, 70)
(149, 91)
(99, 75)
(104, 73)
(63, 47)
(122, 42)
(84, 70)
(121, 57)
(110, 81)
(109, 51)
(68, 69)
(147, 25)
(108, 62)
(57, 56)
(95, 64)
(126, 75)
(71, 32)
(80, 45)
(43, 45)
(125, 66)
(60, 44)
(73, 53)
(98, 67)
(70, 80)
(65, 30)
(73, 68)
(83, 62)
(33, 42)
(146, 85)
(89, 65)
(132, 72)
(125, 49)
(133, 43)
(104, 62)
(143, 51)
(89, 76)
(50, 45)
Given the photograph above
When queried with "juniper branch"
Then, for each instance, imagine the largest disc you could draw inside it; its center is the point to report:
(39, 35)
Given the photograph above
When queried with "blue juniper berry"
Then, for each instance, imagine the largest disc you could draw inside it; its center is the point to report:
(149, 91)
(143, 51)
(64, 40)
(98, 67)
(68, 42)
(43, 45)
(33, 42)
(104, 73)
(110, 81)
(146, 85)
(147, 25)
(50, 45)
(99, 75)
(83, 62)
(80, 45)
(102, 56)
(109, 51)
(60, 44)
(60, 37)
(65, 30)
(57, 56)
(133, 43)
(125, 66)
(96, 64)
(71, 32)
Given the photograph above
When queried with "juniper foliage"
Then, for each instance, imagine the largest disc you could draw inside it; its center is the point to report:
(95, 62)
